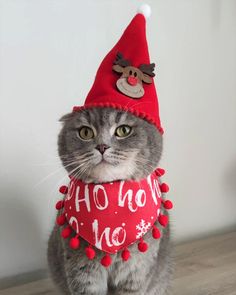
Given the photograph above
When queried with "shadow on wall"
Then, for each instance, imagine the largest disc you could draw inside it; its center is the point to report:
(21, 235)
(230, 179)
(229, 186)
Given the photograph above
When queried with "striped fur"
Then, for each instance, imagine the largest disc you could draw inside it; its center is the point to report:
(133, 157)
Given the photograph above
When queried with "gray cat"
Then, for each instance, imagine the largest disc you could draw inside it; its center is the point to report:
(103, 145)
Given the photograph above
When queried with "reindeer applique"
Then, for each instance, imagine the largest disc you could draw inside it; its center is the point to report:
(131, 81)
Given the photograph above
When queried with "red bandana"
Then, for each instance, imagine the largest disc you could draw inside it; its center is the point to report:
(112, 216)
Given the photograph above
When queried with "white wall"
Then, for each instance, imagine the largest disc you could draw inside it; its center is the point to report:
(49, 52)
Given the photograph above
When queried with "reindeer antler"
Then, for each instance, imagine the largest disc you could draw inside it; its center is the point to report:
(121, 61)
(148, 69)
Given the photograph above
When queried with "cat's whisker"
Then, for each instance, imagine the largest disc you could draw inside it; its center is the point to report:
(82, 156)
(60, 182)
(53, 173)
(48, 176)
(117, 158)
(80, 172)
(140, 163)
(50, 162)
(144, 164)
(82, 165)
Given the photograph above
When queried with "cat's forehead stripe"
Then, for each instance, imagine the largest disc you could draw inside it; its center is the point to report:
(112, 118)
(123, 118)
(105, 117)
(83, 118)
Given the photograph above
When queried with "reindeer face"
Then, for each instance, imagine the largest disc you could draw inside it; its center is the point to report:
(131, 81)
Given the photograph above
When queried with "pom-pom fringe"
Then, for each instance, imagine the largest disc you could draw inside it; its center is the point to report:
(125, 254)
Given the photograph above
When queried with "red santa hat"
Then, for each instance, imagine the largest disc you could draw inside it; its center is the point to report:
(124, 79)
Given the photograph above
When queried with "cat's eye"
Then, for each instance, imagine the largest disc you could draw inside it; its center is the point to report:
(86, 133)
(123, 131)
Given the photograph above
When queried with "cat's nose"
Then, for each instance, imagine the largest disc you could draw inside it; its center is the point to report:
(101, 148)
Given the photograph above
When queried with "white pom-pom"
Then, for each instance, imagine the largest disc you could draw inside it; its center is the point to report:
(145, 9)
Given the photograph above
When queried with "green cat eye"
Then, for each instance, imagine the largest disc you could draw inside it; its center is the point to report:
(86, 133)
(123, 131)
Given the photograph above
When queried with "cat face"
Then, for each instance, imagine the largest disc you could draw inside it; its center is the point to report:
(104, 144)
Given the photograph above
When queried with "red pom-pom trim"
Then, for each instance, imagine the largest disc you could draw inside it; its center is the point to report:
(156, 234)
(74, 243)
(76, 109)
(106, 260)
(160, 171)
(66, 232)
(90, 252)
(63, 189)
(163, 220)
(61, 220)
(164, 188)
(125, 254)
(59, 205)
(168, 204)
(142, 246)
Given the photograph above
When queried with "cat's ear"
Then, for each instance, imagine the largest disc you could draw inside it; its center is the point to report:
(66, 117)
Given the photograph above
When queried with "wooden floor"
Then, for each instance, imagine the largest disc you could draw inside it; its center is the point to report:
(204, 267)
